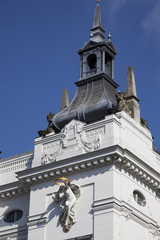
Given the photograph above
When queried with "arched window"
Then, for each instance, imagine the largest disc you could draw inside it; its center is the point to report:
(13, 216)
(91, 63)
(108, 64)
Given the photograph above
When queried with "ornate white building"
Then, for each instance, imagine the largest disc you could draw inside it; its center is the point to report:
(93, 173)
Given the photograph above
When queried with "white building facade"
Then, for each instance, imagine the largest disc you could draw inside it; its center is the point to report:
(104, 151)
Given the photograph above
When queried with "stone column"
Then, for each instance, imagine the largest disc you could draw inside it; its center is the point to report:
(84, 71)
(103, 61)
(112, 69)
(98, 62)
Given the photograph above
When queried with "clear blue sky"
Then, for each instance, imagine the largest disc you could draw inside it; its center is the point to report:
(39, 40)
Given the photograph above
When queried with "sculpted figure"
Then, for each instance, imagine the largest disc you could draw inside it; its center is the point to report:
(51, 128)
(144, 123)
(67, 196)
(122, 104)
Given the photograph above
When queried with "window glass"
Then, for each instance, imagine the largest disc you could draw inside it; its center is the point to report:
(139, 198)
(13, 216)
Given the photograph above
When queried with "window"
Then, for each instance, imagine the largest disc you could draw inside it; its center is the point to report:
(108, 64)
(13, 216)
(91, 64)
(139, 198)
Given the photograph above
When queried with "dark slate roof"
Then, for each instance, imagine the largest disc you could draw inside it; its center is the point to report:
(95, 97)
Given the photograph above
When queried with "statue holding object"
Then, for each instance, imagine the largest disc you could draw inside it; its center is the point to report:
(67, 196)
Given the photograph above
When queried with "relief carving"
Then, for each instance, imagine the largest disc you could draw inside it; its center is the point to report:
(70, 134)
(155, 233)
(90, 143)
(73, 134)
(128, 214)
(50, 152)
(92, 139)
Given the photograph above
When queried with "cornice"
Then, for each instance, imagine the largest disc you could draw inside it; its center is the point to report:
(36, 219)
(12, 190)
(95, 77)
(115, 155)
(68, 166)
(124, 209)
(13, 232)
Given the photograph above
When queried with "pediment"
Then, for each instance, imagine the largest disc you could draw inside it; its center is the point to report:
(110, 45)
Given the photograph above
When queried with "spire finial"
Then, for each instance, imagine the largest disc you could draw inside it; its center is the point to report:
(131, 86)
(109, 37)
(65, 99)
(97, 22)
(97, 30)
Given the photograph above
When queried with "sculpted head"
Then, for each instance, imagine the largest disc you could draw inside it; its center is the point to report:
(50, 117)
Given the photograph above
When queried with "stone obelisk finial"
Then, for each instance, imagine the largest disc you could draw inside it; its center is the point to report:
(131, 95)
(65, 99)
(131, 86)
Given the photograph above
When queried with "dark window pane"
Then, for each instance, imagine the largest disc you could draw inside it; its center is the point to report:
(13, 216)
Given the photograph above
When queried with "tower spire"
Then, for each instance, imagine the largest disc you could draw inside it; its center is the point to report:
(97, 21)
(97, 32)
(96, 90)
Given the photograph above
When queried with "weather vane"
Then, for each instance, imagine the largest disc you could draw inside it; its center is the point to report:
(98, 0)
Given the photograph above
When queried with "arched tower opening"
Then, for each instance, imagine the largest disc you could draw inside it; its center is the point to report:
(108, 65)
(91, 64)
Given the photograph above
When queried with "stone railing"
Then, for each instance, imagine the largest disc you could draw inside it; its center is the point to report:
(16, 163)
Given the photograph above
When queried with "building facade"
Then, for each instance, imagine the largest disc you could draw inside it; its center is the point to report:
(94, 173)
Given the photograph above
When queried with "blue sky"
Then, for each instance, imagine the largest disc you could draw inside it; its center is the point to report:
(39, 40)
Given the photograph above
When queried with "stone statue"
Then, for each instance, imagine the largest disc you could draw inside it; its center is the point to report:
(51, 128)
(122, 105)
(144, 123)
(67, 196)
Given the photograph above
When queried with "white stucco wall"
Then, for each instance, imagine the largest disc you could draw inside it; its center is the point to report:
(108, 160)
